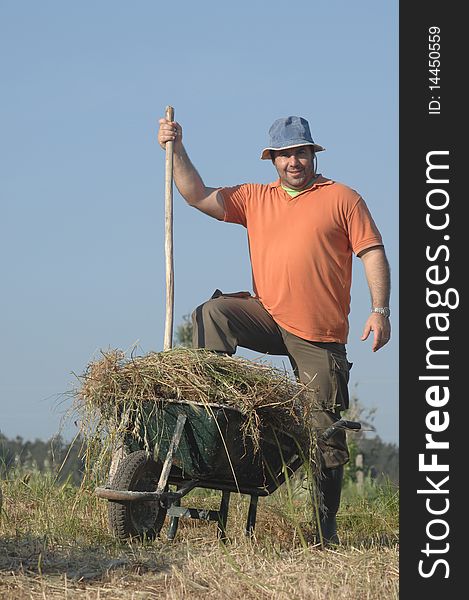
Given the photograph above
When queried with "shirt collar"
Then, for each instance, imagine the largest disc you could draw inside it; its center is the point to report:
(320, 181)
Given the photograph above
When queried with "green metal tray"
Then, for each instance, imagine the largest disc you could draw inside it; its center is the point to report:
(213, 449)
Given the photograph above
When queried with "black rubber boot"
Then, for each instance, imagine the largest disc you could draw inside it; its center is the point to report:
(331, 487)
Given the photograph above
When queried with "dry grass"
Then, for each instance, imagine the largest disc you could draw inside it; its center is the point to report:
(54, 544)
(193, 375)
(201, 572)
(114, 389)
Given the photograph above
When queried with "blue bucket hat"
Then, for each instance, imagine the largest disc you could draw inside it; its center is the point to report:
(289, 132)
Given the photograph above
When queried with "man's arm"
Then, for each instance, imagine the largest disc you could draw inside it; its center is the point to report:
(378, 276)
(187, 179)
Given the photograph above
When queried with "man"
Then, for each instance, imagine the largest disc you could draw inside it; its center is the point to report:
(302, 232)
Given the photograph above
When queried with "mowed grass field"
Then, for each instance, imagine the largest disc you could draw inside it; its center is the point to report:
(55, 543)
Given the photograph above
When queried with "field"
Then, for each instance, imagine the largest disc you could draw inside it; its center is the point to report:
(54, 543)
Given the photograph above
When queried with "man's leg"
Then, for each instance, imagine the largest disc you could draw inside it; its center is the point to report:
(227, 321)
(325, 369)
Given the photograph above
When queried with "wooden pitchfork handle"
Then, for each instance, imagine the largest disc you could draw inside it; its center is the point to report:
(168, 330)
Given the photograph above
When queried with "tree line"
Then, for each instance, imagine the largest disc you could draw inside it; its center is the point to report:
(65, 459)
(57, 456)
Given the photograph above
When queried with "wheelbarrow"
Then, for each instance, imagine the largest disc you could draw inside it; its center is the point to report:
(196, 446)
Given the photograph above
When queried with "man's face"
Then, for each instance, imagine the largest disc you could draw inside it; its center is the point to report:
(295, 166)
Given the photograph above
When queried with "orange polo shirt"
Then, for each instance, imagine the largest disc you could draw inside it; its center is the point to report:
(301, 252)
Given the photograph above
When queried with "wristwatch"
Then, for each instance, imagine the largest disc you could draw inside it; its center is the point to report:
(382, 310)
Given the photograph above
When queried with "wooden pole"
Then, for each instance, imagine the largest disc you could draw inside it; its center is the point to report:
(168, 331)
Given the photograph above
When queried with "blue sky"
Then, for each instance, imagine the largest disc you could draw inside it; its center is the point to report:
(82, 177)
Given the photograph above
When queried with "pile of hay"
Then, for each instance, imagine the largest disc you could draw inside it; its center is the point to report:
(114, 389)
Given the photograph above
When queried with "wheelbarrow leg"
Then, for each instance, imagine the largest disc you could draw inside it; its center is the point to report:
(173, 522)
(251, 522)
(223, 516)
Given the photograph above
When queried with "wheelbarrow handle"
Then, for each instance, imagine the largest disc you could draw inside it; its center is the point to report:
(340, 424)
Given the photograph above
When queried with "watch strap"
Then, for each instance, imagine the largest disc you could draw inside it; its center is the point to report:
(382, 310)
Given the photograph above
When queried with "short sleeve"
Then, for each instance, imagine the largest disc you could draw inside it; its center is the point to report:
(235, 204)
(363, 232)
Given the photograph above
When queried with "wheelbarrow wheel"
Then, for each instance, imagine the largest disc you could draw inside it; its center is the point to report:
(136, 472)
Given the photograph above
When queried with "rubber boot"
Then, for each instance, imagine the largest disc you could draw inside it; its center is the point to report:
(331, 487)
